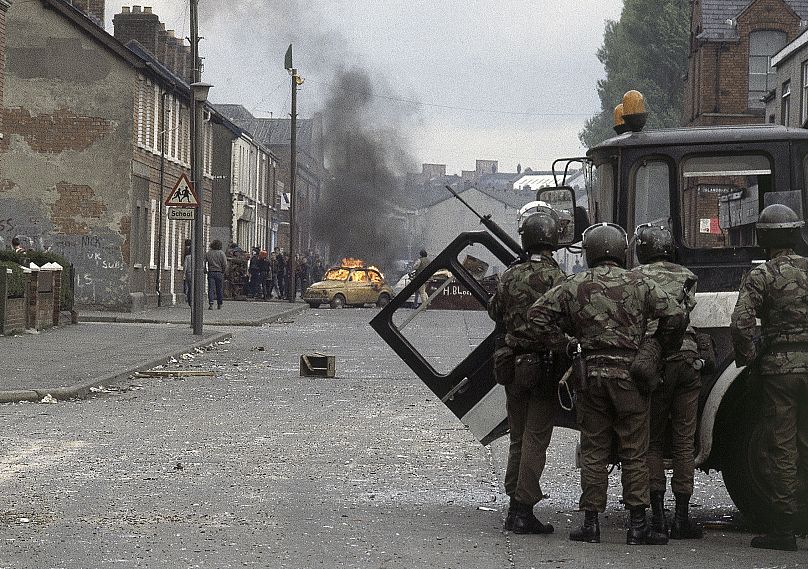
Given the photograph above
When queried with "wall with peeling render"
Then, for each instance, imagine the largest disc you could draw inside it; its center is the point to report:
(66, 159)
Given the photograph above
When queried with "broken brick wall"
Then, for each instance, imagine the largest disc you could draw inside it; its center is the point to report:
(66, 157)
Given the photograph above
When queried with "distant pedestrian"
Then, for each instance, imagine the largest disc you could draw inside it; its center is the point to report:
(255, 273)
(187, 271)
(420, 265)
(264, 276)
(217, 264)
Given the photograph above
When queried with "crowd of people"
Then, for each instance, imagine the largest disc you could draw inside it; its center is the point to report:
(637, 372)
(233, 274)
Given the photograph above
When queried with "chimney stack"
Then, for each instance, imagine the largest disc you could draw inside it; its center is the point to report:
(93, 8)
(140, 25)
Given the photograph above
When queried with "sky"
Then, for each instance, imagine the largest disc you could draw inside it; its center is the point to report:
(459, 80)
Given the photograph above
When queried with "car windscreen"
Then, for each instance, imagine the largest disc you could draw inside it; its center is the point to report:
(336, 274)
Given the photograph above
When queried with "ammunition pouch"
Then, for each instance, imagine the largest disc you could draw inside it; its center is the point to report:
(539, 372)
(706, 348)
(504, 365)
(647, 366)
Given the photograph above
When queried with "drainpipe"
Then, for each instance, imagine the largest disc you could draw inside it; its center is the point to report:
(163, 96)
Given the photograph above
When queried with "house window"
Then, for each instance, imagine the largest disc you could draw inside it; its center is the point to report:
(763, 45)
(785, 104)
(804, 106)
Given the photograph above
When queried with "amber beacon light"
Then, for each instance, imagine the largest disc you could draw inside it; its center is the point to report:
(634, 114)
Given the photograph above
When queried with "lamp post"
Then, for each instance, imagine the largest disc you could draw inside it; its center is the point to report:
(199, 91)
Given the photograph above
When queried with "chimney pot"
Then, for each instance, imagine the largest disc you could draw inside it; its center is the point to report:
(136, 9)
(147, 10)
(126, 10)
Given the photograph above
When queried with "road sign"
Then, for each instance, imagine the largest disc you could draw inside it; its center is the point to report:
(181, 213)
(183, 194)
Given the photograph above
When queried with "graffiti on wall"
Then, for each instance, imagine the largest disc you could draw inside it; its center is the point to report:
(101, 274)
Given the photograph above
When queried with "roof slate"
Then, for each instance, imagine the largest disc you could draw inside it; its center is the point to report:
(715, 13)
(269, 132)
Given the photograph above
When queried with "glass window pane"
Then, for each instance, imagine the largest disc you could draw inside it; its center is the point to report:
(721, 199)
(652, 193)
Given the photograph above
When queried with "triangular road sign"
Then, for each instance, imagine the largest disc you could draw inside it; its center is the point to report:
(183, 194)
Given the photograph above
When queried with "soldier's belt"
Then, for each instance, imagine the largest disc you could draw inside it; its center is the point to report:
(789, 347)
(616, 354)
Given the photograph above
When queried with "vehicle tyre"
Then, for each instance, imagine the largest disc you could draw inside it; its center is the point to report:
(384, 300)
(338, 301)
(314, 304)
(746, 466)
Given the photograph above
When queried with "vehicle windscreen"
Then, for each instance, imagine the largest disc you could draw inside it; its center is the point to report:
(336, 274)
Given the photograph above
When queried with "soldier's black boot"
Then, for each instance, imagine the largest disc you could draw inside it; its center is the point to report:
(659, 525)
(525, 522)
(511, 517)
(683, 527)
(589, 531)
(780, 537)
(639, 533)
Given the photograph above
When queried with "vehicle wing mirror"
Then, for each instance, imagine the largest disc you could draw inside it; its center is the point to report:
(562, 200)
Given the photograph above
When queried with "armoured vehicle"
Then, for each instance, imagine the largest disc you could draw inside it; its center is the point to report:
(708, 186)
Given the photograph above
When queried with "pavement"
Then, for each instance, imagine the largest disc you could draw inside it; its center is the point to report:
(105, 348)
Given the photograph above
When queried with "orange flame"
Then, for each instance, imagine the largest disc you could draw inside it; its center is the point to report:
(351, 263)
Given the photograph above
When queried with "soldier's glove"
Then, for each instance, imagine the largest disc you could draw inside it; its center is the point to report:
(645, 370)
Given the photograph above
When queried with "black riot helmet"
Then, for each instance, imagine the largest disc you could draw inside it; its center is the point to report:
(605, 242)
(540, 230)
(778, 227)
(653, 243)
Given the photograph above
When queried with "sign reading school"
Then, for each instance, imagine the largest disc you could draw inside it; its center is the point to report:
(183, 194)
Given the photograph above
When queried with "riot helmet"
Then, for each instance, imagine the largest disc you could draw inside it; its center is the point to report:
(778, 227)
(540, 230)
(605, 242)
(653, 243)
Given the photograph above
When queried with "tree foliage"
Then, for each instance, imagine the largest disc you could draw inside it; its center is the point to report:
(645, 50)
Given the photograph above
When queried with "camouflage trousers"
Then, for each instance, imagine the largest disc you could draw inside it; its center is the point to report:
(530, 419)
(786, 412)
(612, 406)
(674, 405)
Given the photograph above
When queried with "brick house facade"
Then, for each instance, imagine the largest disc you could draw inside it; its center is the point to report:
(787, 102)
(83, 153)
(4, 5)
(731, 45)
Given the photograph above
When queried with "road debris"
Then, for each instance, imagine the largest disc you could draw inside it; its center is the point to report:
(175, 373)
(48, 399)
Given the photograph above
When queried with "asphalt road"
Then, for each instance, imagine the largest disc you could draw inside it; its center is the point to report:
(258, 467)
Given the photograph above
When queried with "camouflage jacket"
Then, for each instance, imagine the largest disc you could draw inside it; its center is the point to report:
(517, 290)
(671, 278)
(777, 293)
(607, 309)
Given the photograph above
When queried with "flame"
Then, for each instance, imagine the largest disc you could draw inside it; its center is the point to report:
(351, 263)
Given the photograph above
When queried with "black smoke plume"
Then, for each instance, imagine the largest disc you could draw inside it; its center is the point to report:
(361, 212)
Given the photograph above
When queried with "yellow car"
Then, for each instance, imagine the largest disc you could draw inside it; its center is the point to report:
(349, 286)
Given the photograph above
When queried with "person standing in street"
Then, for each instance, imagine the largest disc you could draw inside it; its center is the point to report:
(606, 309)
(420, 265)
(216, 262)
(776, 292)
(531, 410)
(675, 402)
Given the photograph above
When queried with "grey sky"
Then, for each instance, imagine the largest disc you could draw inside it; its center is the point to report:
(512, 80)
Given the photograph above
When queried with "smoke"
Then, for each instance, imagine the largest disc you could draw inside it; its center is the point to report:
(359, 214)
(365, 152)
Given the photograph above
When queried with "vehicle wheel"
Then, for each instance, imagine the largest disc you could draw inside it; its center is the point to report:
(338, 301)
(384, 300)
(746, 466)
(314, 304)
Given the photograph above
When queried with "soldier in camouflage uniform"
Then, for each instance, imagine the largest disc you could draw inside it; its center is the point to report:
(777, 293)
(676, 400)
(530, 414)
(607, 308)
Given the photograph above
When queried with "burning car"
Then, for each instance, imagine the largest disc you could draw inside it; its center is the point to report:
(351, 283)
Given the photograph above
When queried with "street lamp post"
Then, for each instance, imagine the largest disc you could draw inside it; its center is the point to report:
(199, 91)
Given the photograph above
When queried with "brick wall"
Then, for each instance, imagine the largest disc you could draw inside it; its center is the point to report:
(3, 8)
(718, 82)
